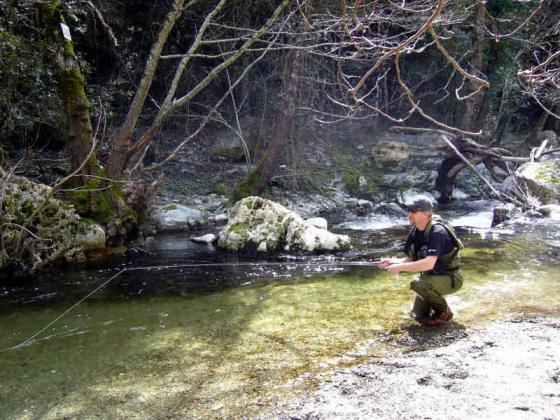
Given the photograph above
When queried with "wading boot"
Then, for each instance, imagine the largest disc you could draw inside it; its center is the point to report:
(440, 318)
(422, 319)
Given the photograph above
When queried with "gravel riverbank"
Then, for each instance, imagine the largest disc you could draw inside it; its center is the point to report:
(509, 369)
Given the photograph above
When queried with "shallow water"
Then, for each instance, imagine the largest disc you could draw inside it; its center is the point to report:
(233, 341)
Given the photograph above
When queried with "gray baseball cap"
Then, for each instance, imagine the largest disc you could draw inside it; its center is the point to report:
(420, 204)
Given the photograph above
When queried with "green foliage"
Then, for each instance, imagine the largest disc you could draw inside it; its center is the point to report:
(220, 189)
(233, 154)
(251, 185)
(352, 170)
(351, 181)
(30, 107)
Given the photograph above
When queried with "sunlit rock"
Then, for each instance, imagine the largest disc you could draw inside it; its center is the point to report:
(174, 217)
(550, 210)
(542, 179)
(390, 154)
(256, 223)
(220, 219)
(459, 194)
(318, 222)
(204, 239)
(44, 228)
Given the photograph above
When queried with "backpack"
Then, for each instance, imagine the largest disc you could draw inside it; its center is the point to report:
(452, 258)
(437, 220)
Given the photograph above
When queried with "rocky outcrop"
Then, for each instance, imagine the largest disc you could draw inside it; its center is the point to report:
(265, 226)
(390, 153)
(175, 217)
(55, 233)
(542, 179)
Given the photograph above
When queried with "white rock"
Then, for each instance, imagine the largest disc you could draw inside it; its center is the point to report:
(318, 222)
(459, 195)
(204, 239)
(310, 238)
(221, 218)
(262, 247)
(256, 222)
(69, 236)
(92, 236)
(175, 217)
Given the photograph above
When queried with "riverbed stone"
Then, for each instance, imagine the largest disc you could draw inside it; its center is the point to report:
(220, 219)
(504, 213)
(176, 217)
(56, 233)
(263, 225)
(204, 239)
(550, 210)
(390, 209)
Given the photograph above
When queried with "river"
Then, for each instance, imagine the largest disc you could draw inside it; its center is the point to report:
(237, 340)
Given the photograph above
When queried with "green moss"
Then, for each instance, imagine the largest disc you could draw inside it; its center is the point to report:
(170, 207)
(548, 172)
(251, 185)
(72, 85)
(240, 228)
(220, 189)
(351, 181)
(85, 224)
(106, 206)
(234, 154)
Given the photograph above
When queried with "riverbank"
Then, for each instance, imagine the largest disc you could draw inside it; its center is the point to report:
(508, 369)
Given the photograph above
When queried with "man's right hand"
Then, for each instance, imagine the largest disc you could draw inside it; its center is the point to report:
(384, 263)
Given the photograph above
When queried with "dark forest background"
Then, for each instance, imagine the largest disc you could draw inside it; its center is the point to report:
(140, 82)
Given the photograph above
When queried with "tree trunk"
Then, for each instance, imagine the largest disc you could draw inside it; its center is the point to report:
(97, 198)
(474, 105)
(122, 141)
(71, 85)
(258, 179)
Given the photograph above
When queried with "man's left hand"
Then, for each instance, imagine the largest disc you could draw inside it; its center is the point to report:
(394, 269)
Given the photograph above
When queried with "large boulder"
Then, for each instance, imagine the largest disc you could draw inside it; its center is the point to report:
(542, 179)
(265, 226)
(55, 233)
(176, 217)
(390, 154)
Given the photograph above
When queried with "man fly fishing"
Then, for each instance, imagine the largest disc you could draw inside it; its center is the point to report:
(432, 248)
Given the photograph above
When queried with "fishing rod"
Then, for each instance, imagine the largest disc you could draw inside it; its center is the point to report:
(222, 264)
(264, 263)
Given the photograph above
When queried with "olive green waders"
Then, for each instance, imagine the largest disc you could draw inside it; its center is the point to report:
(430, 289)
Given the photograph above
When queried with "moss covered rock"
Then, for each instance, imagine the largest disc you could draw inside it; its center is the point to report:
(542, 179)
(39, 230)
(390, 154)
(265, 226)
